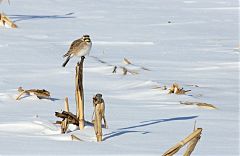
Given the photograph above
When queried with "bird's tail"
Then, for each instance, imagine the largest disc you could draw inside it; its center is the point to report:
(64, 64)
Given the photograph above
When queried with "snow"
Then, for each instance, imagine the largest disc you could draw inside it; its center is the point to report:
(191, 42)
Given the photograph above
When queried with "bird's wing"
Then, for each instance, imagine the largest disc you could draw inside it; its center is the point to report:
(75, 45)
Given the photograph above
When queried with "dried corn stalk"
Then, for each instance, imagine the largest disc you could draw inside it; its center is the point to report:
(64, 123)
(79, 93)
(5, 21)
(178, 146)
(40, 93)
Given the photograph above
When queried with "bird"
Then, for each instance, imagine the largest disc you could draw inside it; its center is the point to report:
(79, 48)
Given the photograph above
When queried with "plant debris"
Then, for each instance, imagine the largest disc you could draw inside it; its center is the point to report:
(175, 89)
(199, 104)
(40, 93)
(126, 61)
(5, 21)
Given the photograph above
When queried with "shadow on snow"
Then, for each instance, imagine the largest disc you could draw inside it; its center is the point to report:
(151, 122)
(125, 130)
(17, 18)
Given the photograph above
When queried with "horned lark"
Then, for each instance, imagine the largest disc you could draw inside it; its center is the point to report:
(80, 47)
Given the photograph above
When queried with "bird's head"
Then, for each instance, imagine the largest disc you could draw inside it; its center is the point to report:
(86, 38)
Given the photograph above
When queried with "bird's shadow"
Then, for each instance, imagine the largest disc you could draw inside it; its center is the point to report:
(125, 130)
(17, 18)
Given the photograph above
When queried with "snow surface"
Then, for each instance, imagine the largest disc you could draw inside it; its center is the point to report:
(191, 42)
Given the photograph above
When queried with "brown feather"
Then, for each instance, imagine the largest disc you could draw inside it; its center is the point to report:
(75, 46)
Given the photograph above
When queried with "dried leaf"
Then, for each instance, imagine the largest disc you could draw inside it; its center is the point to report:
(126, 61)
(206, 106)
(177, 90)
(199, 104)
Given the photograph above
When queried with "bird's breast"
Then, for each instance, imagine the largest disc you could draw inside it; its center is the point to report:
(84, 50)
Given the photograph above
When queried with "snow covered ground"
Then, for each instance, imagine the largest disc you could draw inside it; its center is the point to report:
(191, 42)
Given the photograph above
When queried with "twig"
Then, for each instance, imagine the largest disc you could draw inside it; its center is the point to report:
(114, 69)
(126, 61)
(74, 137)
